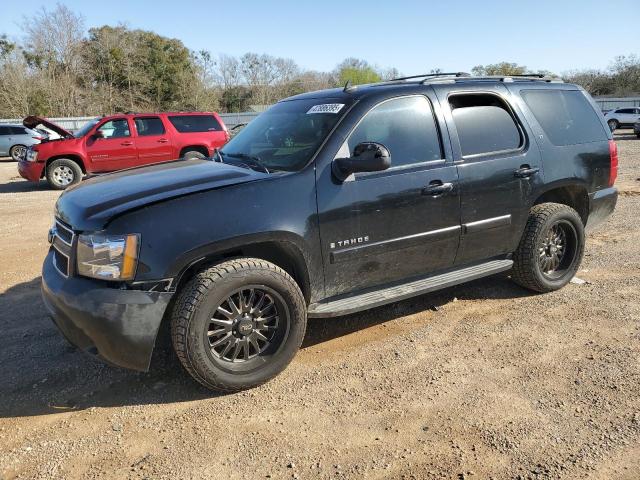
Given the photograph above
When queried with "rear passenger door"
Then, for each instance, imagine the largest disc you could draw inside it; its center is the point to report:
(153, 144)
(499, 169)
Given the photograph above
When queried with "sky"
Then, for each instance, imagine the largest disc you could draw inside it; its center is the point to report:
(412, 36)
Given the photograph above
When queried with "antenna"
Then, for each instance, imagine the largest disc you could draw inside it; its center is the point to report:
(348, 88)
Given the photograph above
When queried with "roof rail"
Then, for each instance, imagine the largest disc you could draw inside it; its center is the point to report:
(431, 75)
(535, 77)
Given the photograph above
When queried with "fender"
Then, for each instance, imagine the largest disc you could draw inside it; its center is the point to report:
(263, 244)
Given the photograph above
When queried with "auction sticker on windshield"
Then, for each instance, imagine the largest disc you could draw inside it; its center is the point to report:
(326, 108)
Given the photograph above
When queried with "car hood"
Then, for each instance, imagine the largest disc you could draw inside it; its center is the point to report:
(33, 121)
(90, 205)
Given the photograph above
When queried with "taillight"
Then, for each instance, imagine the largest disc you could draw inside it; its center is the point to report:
(613, 156)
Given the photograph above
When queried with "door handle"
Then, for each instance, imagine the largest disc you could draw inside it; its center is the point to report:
(525, 171)
(436, 188)
(163, 140)
(126, 144)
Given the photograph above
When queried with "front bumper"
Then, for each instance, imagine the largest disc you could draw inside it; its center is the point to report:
(30, 170)
(601, 205)
(119, 326)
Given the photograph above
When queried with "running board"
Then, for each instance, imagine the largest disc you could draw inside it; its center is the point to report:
(374, 298)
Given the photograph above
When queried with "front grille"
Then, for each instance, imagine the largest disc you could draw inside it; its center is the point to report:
(62, 243)
(61, 262)
(64, 233)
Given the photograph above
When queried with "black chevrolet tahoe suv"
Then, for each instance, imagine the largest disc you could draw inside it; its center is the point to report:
(329, 203)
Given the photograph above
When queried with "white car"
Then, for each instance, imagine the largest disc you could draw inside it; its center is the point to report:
(622, 117)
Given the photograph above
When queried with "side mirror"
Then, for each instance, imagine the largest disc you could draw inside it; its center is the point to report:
(367, 157)
(98, 134)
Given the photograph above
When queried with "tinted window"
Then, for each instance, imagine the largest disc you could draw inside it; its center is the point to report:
(405, 126)
(149, 126)
(484, 124)
(288, 134)
(195, 123)
(4, 130)
(625, 110)
(566, 116)
(115, 129)
(18, 131)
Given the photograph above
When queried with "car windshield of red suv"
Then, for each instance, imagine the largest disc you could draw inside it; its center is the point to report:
(286, 136)
(86, 127)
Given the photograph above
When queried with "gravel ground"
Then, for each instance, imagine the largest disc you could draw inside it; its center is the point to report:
(484, 380)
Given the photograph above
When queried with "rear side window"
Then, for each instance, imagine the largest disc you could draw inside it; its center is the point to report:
(4, 130)
(566, 116)
(405, 126)
(195, 123)
(18, 131)
(484, 124)
(149, 126)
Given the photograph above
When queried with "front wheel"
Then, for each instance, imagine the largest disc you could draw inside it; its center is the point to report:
(551, 248)
(17, 152)
(613, 124)
(63, 173)
(238, 324)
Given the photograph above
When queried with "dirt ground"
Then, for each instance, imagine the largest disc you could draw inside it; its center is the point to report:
(485, 380)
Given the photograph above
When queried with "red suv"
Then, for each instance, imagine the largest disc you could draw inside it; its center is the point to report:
(121, 141)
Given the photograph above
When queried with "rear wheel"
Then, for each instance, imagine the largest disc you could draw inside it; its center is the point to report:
(613, 124)
(193, 154)
(238, 324)
(551, 248)
(17, 152)
(63, 173)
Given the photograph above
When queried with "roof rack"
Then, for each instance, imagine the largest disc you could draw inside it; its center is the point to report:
(463, 76)
(432, 75)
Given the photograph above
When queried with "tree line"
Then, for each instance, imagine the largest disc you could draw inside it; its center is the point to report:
(60, 68)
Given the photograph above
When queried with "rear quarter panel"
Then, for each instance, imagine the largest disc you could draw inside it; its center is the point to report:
(585, 164)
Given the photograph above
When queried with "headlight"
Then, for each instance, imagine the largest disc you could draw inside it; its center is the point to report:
(108, 257)
(32, 155)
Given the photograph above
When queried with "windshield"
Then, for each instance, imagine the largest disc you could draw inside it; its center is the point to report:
(85, 128)
(286, 136)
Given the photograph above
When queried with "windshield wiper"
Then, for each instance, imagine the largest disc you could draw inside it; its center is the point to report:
(250, 160)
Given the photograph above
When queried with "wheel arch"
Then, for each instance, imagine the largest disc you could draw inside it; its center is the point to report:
(74, 158)
(281, 251)
(574, 195)
(197, 147)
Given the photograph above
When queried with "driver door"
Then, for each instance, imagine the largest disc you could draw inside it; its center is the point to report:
(382, 227)
(115, 150)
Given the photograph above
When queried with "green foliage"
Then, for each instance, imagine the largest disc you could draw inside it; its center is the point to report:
(502, 68)
(358, 76)
(142, 69)
(357, 72)
(6, 47)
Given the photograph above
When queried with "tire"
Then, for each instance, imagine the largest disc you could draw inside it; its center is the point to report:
(63, 173)
(613, 124)
(551, 248)
(206, 340)
(193, 154)
(17, 151)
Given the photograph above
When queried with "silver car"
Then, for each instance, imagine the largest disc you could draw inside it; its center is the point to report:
(15, 139)
(622, 117)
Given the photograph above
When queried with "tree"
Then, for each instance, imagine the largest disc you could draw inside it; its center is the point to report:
(356, 71)
(502, 68)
